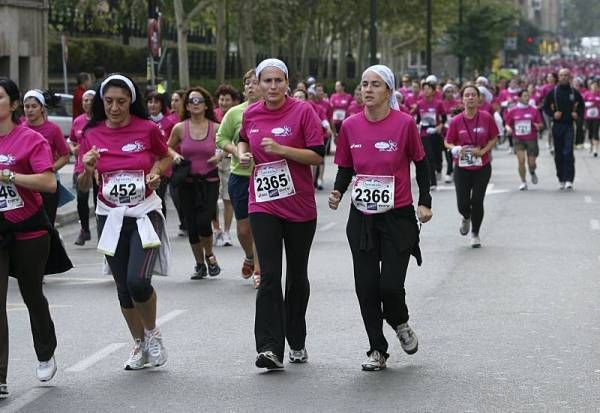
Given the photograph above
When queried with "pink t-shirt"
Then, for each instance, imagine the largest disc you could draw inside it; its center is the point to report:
(76, 135)
(134, 147)
(324, 103)
(322, 115)
(430, 113)
(522, 121)
(295, 124)
(382, 148)
(199, 151)
(487, 107)
(218, 114)
(451, 106)
(473, 132)
(166, 125)
(54, 136)
(26, 152)
(592, 105)
(339, 102)
(354, 108)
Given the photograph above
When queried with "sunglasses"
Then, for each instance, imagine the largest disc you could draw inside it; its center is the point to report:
(196, 100)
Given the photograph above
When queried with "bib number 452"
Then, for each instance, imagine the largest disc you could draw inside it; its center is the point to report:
(122, 190)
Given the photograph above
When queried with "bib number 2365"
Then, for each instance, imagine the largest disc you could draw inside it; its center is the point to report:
(273, 181)
(124, 187)
(373, 194)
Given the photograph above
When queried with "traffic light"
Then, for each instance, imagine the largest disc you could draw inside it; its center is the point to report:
(530, 39)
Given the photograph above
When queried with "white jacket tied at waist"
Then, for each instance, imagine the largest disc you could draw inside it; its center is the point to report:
(111, 231)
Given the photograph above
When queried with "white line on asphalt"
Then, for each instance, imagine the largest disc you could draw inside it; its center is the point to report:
(169, 316)
(96, 357)
(20, 402)
(595, 224)
(587, 199)
(327, 227)
(23, 307)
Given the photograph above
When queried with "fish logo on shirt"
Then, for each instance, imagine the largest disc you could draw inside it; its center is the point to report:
(136, 146)
(281, 131)
(389, 146)
(7, 159)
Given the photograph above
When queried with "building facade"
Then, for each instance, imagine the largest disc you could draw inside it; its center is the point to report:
(23, 42)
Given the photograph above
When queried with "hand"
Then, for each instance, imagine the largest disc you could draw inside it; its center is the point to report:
(574, 115)
(4, 175)
(456, 151)
(90, 158)
(153, 181)
(75, 150)
(334, 199)
(557, 115)
(245, 159)
(478, 152)
(215, 159)
(424, 214)
(177, 159)
(270, 146)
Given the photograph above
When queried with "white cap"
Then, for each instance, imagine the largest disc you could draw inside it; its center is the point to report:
(271, 63)
(483, 80)
(431, 79)
(387, 75)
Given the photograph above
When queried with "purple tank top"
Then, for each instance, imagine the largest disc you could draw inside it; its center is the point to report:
(199, 151)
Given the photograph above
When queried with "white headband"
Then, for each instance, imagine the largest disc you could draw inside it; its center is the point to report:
(122, 79)
(90, 92)
(271, 63)
(35, 94)
(387, 75)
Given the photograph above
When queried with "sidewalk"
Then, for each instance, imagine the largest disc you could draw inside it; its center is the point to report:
(67, 214)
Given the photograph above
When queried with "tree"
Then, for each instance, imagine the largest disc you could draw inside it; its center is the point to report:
(183, 20)
(221, 36)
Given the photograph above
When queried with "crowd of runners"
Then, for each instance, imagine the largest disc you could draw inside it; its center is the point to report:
(259, 155)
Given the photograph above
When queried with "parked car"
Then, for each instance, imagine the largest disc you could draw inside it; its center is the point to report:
(61, 113)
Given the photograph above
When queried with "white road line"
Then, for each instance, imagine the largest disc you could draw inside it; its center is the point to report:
(96, 357)
(23, 307)
(587, 199)
(20, 402)
(595, 224)
(169, 316)
(327, 227)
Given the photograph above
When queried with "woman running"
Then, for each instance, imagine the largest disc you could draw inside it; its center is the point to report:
(592, 115)
(129, 155)
(471, 137)
(175, 117)
(382, 230)
(283, 136)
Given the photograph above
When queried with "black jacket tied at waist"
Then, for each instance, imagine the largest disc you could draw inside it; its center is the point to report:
(199, 184)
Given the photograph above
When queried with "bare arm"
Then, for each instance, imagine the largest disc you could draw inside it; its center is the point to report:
(60, 162)
(42, 182)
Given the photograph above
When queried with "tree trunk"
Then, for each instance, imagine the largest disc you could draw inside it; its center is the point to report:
(341, 59)
(220, 40)
(182, 53)
(330, 73)
(360, 66)
(303, 51)
(293, 59)
(247, 48)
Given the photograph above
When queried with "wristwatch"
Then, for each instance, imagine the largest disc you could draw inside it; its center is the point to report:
(8, 176)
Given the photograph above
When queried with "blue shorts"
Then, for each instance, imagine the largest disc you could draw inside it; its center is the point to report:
(238, 194)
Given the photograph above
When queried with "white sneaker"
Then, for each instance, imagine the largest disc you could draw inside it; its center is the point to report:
(447, 179)
(226, 238)
(138, 358)
(218, 239)
(568, 185)
(561, 186)
(534, 178)
(157, 354)
(375, 362)
(268, 360)
(433, 187)
(3, 391)
(475, 241)
(465, 226)
(46, 370)
(298, 356)
(408, 338)
(523, 186)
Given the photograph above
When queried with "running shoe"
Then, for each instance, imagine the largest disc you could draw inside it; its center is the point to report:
(448, 179)
(375, 362)
(218, 239)
(83, 237)
(433, 187)
(320, 184)
(465, 226)
(268, 360)
(523, 186)
(46, 369)
(408, 338)
(3, 391)
(213, 266)
(182, 232)
(298, 356)
(568, 185)
(561, 186)
(226, 239)
(156, 352)
(475, 241)
(595, 154)
(199, 272)
(138, 357)
(247, 268)
(534, 178)
(256, 279)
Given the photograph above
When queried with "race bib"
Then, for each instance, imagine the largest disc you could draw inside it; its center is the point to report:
(448, 120)
(468, 159)
(428, 119)
(9, 197)
(373, 194)
(339, 114)
(591, 112)
(124, 187)
(273, 181)
(523, 127)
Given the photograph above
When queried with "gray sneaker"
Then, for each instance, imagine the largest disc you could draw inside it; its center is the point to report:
(375, 362)
(534, 178)
(408, 338)
(475, 241)
(465, 226)
(138, 358)
(298, 356)
(157, 354)
(268, 360)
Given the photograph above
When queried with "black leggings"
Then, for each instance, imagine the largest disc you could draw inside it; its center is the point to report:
(470, 192)
(429, 144)
(380, 272)
(198, 212)
(278, 318)
(593, 125)
(50, 201)
(132, 264)
(161, 191)
(174, 192)
(83, 208)
(17, 261)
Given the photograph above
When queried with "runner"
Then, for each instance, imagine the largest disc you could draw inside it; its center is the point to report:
(129, 154)
(239, 180)
(34, 104)
(175, 116)
(592, 115)
(524, 123)
(199, 191)
(282, 210)
(84, 82)
(339, 101)
(382, 229)
(551, 82)
(356, 106)
(83, 208)
(431, 118)
(319, 170)
(471, 136)
(26, 169)
(452, 106)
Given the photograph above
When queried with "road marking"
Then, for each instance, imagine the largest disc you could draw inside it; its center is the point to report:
(491, 191)
(595, 224)
(327, 227)
(77, 280)
(169, 316)
(20, 402)
(96, 357)
(587, 199)
(23, 307)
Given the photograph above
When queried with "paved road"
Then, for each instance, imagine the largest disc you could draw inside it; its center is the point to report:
(513, 326)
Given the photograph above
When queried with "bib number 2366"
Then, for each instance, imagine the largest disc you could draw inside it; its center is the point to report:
(273, 181)
(124, 187)
(373, 194)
